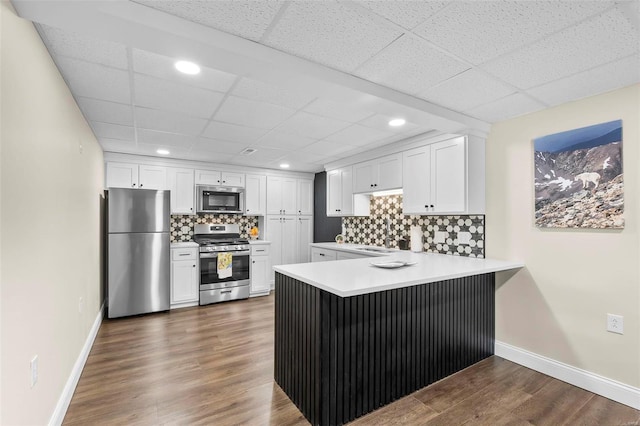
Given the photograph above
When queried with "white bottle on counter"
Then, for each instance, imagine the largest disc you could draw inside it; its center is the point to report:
(416, 239)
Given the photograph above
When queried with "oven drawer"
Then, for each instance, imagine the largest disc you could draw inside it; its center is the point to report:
(260, 250)
(223, 295)
(184, 254)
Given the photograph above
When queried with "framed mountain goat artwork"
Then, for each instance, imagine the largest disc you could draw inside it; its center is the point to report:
(578, 178)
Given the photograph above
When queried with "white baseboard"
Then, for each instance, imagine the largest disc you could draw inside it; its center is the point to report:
(617, 391)
(74, 377)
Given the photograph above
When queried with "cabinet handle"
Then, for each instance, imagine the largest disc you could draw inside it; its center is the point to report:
(218, 181)
(224, 181)
(194, 266)
(321, 254)
(226, 291)
(133, 185)
(184, 254)
(258, 251)
(253, 261)
(431, 205)
(375, 184)
(191, 208)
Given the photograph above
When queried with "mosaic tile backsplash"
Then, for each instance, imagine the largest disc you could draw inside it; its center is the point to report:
(371, 230)
(182, 225)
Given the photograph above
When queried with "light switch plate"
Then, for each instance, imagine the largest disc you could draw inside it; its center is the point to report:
(615, 323)
(464, 237)
(439, 237)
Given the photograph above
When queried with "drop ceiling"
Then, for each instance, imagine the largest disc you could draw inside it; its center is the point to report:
(310, 82)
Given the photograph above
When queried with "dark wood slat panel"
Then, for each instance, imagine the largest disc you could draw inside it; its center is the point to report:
(344, 357)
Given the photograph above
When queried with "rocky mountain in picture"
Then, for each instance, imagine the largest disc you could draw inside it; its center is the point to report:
(580, 188)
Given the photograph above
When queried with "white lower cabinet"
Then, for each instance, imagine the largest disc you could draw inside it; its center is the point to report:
(185, 277)
(304, 232)
(343, 255)
(260, 269)
(322, 255)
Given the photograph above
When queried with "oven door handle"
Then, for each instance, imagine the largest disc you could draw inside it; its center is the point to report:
(213, 255)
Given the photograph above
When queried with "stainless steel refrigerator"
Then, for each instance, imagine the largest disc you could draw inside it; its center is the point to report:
(138, 251)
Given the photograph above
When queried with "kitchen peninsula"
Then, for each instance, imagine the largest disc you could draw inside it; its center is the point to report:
(351, 337)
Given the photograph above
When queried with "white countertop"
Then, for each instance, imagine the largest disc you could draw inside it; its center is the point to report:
(357, 276)
(186, 244)
(259, 242)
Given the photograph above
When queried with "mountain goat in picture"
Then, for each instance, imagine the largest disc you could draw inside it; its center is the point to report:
(588, 177)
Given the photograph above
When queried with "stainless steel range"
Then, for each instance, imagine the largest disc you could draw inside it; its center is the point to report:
(214, 240)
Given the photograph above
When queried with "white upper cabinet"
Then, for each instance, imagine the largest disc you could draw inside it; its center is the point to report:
(127, 175)
(448, 176)
(122, 175)
(152, 177)
(378, 175)
(181, 185)
(281, 195)
(444, 177)
(255, 195)
(216, 178)
(305, 197)
(416, 170)
(340, 192)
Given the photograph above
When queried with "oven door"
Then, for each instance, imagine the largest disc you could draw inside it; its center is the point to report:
(209, 271)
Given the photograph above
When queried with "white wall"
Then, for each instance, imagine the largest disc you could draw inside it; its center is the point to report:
(50, 222)
(557, 306)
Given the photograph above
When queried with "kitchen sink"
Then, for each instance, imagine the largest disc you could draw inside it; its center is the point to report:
(375, 250)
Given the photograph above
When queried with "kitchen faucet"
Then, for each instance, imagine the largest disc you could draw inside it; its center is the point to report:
(387, 240)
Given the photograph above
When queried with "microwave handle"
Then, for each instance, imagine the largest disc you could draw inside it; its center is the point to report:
(215, 255)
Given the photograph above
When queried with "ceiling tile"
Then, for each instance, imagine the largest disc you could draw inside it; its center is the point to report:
(165, 95)
(467, 90)
(150, 149)
(311, 125)
(303, 157)
(222, 147)
(602, 79)
(209, 156)
(478, 31)
(106, 112)
(357, 135)
(95, 81)
(258, 91)
(410, 65)
(113, 131)
(163, 67)
(507, 107)
(592, 43)
(284, 141)
(252, 113)
(65, 43)
(245, 18)
(407, 14)
(153, 119)
(381, 122)
(337, 110)
(328, 147)
(296, 166)
(330, 33)
(165, 138)
(115, 145)
(232, 132)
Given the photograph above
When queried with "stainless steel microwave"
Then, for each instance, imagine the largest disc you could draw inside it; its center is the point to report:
(219, 199)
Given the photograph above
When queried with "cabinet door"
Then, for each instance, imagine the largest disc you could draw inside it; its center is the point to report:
(304, 233)
(184, 282)
(181, 185)
(416, 171)
(364, 175)
(448, 168)
(122, 175)
(207, 177)
(289, 196)
(274, 195)
(305, 197)
(389, 172)
(255, 195)
(289, 240)
(322, 255)
(232, 179)
(152, 177)
(274, 234)
(347, 192)
(260, 266)
(334, 192)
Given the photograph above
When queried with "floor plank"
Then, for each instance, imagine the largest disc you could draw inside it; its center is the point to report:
(213, 365)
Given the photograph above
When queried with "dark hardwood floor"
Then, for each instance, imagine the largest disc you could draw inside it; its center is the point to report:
(214, 365)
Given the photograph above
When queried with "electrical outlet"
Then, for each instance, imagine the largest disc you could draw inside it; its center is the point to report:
(615, 323)
(439, 237)
(464, 237)
(81, 305)
(34, 370)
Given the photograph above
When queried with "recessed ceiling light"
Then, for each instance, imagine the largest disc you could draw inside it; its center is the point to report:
(163, 152)
(187, 67)
(284, 166)
(397, 122)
